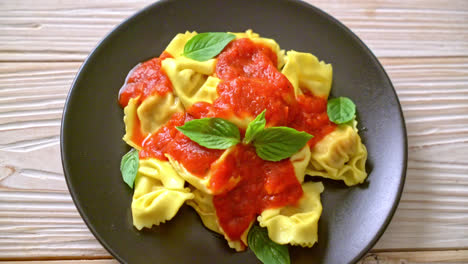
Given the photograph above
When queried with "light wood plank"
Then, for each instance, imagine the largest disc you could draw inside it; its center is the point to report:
(38, 218)
(58, 30)
(434, 96)
(439, 257)
(37, 215)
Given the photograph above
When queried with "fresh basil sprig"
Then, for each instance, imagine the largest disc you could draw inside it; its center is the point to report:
(129, 167)
(341, 110)
(272, 144)
(205, 46)
(255, 127)
(266, 250)
(277, 143)
(213, 133)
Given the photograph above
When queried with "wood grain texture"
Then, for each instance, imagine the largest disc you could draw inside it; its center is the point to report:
(423, 45)
(450, 256)
(64, 30)
(37, 215)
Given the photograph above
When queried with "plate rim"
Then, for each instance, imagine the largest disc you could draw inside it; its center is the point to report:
(318, 11)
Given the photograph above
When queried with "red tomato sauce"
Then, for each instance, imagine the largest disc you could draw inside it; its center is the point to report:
(169, 140)
(260, 185)
(251, 83)
(145, 80)
(310, 115)
(243, 184)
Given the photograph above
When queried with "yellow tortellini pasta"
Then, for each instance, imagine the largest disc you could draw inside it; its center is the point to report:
(201, 183)
(162, 171)
(300, 160)
(339, 156)
(131, 120)
(191, 81)
(150, 114)
(176, 46)
(296, 225)
(306, 72)
(156, 110)
(203, 204)
(159, 193)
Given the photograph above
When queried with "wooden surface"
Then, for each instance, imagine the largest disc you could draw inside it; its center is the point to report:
(423, 45)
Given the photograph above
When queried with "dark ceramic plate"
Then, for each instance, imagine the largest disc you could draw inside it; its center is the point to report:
(353, 218)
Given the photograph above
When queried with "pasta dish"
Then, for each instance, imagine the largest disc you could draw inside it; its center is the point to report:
(230, 124)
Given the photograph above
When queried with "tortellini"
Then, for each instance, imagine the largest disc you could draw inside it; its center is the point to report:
(131, 122)
(159, 193)
(300, 160)
(339, 156)
(306, 72)
(203, 204)
(201, 183)
(162, 171)
(156, 110)
(163, 186)
(296, 225)
(176, 46)
(148, 116)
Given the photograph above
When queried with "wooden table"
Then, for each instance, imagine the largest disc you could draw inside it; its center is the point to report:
(423, 45)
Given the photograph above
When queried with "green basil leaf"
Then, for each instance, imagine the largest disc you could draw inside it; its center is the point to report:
(205, 46)
(255, 127)
(277, 143)
(266, 250)
(213, 133)
(129, 167)
(341, 110)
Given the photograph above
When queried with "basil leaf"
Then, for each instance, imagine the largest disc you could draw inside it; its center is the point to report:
(129, 167)
(341, 110)
(266, 250)
(213, 133)
(205, 46)
(277, 143)
(255, 127)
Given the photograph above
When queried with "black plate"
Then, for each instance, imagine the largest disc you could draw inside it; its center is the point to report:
(353, 218)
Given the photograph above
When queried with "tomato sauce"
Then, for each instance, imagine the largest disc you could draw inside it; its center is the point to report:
(145, 80)
(243, 184)
(260, 185)
(169, 140)
(310, 115)
(251, 83)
